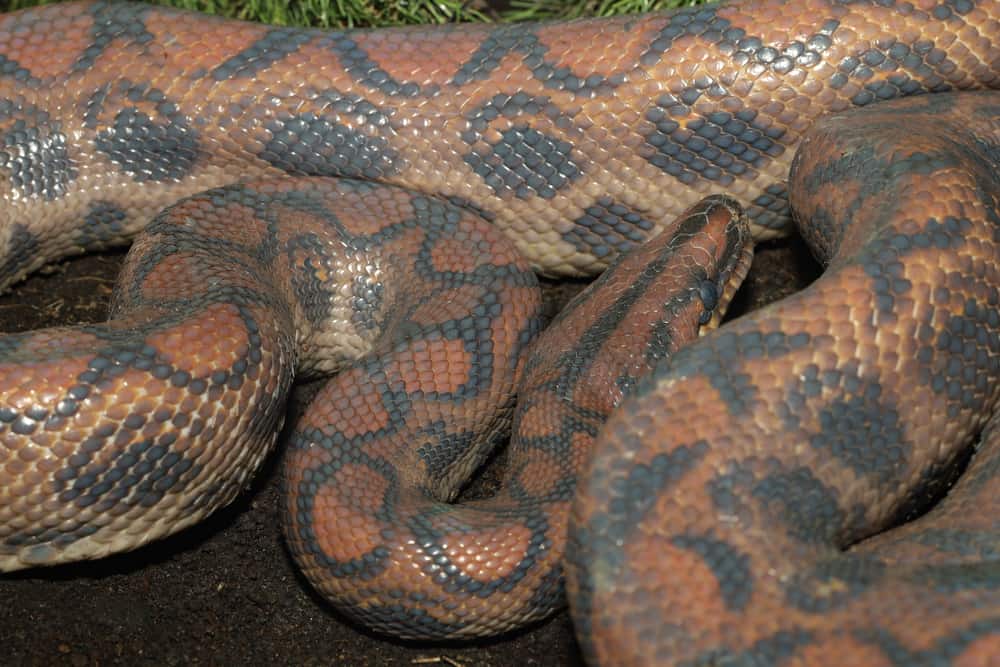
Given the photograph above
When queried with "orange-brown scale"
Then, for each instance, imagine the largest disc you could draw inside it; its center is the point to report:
(234, 99)
(755, 465)
(489, 565)
(236, 322)
(423, 136)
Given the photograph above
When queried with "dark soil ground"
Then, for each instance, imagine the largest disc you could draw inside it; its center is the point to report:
(226, 592)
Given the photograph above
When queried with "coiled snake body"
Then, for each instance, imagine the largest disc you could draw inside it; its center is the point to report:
(727, 513)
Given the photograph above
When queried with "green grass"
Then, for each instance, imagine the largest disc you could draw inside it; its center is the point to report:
(358, 13)
(525, 10)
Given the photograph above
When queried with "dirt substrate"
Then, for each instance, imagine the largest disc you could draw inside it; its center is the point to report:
(226, 592)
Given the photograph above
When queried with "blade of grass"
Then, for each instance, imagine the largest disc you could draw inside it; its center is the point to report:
(365, 13)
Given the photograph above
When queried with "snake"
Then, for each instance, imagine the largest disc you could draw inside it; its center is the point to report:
(758, 496)
(843, 507)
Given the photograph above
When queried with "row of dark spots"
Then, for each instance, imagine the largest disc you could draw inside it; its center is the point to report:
(525, 161)
(720, 146)
(522, 39)
(147, 469)
(113, 22)
(33, 151)
(745, 50)
(343, 453)
(608, 228)
(315, 144)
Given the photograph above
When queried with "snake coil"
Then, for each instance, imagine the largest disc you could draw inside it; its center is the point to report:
(377, 202)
